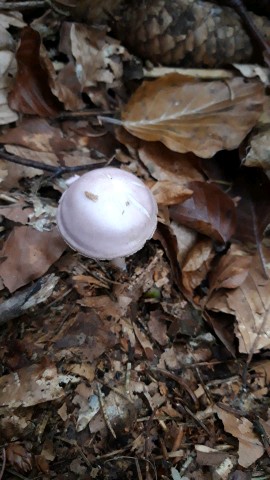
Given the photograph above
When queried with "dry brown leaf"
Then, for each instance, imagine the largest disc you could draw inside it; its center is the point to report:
(250, 447)
(170, 193)
(38, 135)
(209, 211)
(17, 212)
(19, 457)
(262, 368)
(31, 93)
(98, 57)
(144, 342)
(28, 254)
(197, 263)
(86, 336)
(231, 271)
(250, 303)
(158, 328)
(165, 165)
(191, 116)
(258, 152)
(6, 114)
(32, 385)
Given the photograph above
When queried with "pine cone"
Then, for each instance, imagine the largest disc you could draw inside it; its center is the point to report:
(190, 33)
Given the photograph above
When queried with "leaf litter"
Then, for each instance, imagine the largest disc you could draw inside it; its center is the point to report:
(161, 371)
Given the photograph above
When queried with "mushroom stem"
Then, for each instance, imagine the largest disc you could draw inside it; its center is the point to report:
(119, 262)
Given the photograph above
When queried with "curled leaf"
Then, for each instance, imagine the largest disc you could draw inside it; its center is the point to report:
(209, 211)
(188, 115)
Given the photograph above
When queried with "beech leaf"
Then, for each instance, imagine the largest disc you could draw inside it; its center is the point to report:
(31, 93)
(250, 303)
(188, 115)
(250, 447)
(231, 270)
(209, 211)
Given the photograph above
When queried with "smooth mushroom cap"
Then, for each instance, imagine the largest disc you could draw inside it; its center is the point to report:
(107, 213)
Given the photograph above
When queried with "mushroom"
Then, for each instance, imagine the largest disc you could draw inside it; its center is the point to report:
(107, 214)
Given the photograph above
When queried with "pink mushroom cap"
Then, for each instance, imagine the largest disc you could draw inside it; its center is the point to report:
(107, 213)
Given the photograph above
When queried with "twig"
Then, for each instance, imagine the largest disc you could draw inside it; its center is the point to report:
(106, 418)
(32, 4)
(21, 5)
(56, 170)
(117, 391)
(177, 379)
(197, 420)
(252, 29)
(25, 299)
(127, 380)
(78, 448)
(138, 468)
(80, 115)
(4, 459)
(124, 457)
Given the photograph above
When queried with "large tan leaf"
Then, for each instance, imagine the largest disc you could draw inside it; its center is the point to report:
(250, 447)
(188, 115)
(250, 303)
(209, 211)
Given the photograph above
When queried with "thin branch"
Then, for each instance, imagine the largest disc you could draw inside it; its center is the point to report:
(4, 459)
(21, 5)
(57, 170)
(252, 28)
(82, 114)
(103, 409)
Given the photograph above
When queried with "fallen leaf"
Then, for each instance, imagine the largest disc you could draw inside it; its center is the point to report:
(98, 56)
(253, 208)
(170, 193)
(144, 342)
(231, 270)
(32, 385)
(250, 303)
(157, 327)
(17, 212)
(37, 251)
(197, 264)
(209, 211)
(31, 93)
(258, 150)
(19, 457)
(38, 135)
(165, 165)
(87, 336)
(250, 447)
(192, 116)
(7, 115)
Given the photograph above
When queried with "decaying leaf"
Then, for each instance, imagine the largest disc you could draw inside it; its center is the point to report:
(170, 193)
(163, 164)
(253, 209)
(19, 457)
(197, 263)
(231, 270)
(98, 57)
(209, 211)
(191, 116)
(258, 152)
(250, 447)
(38, 251)
(32, 385)
(250, 303)
(31, 93)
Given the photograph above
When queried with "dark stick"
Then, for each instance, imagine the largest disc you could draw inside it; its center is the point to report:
(27, 298)
(56, 170)
(252, 29)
